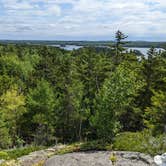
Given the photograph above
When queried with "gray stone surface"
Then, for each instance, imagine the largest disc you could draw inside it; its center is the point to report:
(1, 161)
(100, 159)
(32, 158)
(38, 156)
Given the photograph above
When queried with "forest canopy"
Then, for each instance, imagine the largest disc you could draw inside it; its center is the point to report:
(48, 94)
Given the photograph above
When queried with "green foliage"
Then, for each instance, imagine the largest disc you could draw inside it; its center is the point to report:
(4, 155)
(156, 114)
(49, 95)
(10, 163)
(41, 102)
(117, 93)
(119, 36)
(85, 146)
(113, 158)
(12, 103)
(95, 145)
(41, 99)
(69, 149)
(12, 108)
(40, 163)
(140, 142)
(5, 139)
(18, 67)
(16, 153)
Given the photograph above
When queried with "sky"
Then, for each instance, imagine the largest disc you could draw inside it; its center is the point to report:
(82, 19)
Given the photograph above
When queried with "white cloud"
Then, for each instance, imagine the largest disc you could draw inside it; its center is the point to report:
(84, 18)
(14, 5)
(55, 10)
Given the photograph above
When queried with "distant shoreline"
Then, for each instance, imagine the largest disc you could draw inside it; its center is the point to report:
(140, 44)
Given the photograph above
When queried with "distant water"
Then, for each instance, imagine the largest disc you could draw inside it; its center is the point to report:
(68, 47)
(142, 50)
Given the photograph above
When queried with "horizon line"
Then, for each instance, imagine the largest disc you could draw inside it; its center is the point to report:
(80, 40)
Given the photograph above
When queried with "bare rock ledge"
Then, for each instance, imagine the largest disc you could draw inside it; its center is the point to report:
(100, 158)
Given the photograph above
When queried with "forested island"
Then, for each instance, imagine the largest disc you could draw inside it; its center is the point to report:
(143, 44)
(107, 99)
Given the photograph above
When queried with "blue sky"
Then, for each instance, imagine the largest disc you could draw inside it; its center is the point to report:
(82, 19)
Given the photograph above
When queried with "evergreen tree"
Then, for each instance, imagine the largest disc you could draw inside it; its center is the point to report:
(5, 139)
(156, 114)
(41, 104)
(119, 37)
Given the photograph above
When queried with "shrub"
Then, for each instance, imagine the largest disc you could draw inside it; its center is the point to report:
(40, 163)
(69, 149)
(5, 140)
(86, 146)
(113, 158)
(4, 155)
(95, 145)
(140, 142)
(10, 163)
(16, 153)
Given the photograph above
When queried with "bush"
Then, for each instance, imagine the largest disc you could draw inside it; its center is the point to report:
(113, 158)
(4, 155)
(10, 163)
(140, 142)
(69, 149)
(95, 145)
(5, 140)
(40, 163)
(16, 153)
(86, 146)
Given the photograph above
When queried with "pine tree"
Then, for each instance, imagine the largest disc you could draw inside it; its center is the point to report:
(5, 139)
(119, 37)
(41, 104)
(156, 114)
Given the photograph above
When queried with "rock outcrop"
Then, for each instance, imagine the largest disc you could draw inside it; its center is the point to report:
(100, 158)
(47, 157)
(1, 161)
(39, 156)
